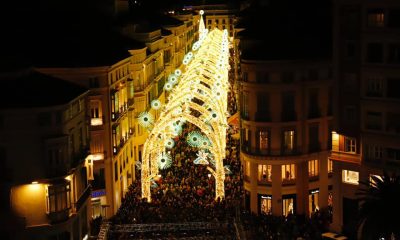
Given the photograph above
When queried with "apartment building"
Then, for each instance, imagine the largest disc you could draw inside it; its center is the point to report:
(124, 78)
(365, 140)
(285, 107)
(44, 157)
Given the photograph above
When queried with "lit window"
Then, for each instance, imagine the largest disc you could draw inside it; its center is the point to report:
(350, 177)
(264, 173)
(288, 172)
(58, 197)
(330, 166)
(313, 201)
(247, 169)
(263, 139)
(350, 145)
(288, 140)
(266, 204)
(95, 112)
(288, 205)
(376, 18)
(313, 168)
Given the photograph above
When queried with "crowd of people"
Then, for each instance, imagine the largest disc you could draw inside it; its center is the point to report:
(185, 192)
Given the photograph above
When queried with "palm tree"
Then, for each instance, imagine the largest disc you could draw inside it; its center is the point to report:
(380, 207)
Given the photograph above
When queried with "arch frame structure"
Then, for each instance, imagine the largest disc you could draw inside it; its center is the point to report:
(198, 94)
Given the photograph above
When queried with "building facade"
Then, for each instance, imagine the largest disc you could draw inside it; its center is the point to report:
(285, 127)
(119, 92)
(44, 149)
(365, 140)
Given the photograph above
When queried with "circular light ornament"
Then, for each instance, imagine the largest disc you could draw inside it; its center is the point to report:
(201, 12)
(169, 143)
(189, 54)
(164, 160)
(194, 138)
(168, 86)
(185, 61)
(171, 76)
(205, 143)
(214, 116)
(178, 72)
(155, 104)
(177, 130)
(145, 119)
(173, 80)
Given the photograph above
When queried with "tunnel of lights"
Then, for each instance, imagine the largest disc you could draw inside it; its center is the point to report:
(198, 93)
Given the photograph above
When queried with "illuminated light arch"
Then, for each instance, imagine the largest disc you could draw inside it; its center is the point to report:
(204, 77)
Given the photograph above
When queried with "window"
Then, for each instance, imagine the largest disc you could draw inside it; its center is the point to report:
(375, 86)
(116, 171)
(349, 145)
(393, 122)
(350, 114)
(392, 89)
(313, 168)
(288, 107)
(288, 206)
(373, 152)
(374, 121)
(375, 53)
(330, 166)
(217, 21)
(245, 105)
(350, 177)
(264, 173)
(263, 140)
(58, 197)
(313, 108)
(244, 76)
(208, 21)
(394, 18)
(313, 200)
(266, 204)
(288, 141)
(375, 18)
(288, 172)
(393, 154)
(262, 113)
(313, 138)
(394, 53)
(247, 169)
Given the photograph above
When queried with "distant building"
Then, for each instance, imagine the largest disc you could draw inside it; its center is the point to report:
(43, 152)
(285, 103)
(366, 137)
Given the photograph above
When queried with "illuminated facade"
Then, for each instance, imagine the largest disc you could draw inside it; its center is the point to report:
(44, 149)
(366, 74)
(119, 92)
(285, 103)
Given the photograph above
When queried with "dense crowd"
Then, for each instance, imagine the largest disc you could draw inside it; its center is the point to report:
(185, 192)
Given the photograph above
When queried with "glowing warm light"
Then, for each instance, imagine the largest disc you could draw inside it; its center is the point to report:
(155, 104)
(35, 182)
(97, 156)
(96, 121)
(197, 94)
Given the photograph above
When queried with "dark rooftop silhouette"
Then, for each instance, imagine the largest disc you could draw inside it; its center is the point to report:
(32, 89)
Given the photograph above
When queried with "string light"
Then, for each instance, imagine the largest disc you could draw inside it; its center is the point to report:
(198, 95)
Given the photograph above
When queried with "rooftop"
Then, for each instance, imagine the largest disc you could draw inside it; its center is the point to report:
(29, 89)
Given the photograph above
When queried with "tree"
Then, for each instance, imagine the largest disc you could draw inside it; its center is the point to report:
(380, 210)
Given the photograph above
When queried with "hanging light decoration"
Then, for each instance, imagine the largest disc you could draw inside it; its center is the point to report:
(155, 104)
(202, 157)
(194, 139)
(145, 119)
(164, 160)
(169, 143)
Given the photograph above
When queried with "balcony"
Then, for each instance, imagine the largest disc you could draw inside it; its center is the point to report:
(270, 152)
(345, 157)
(82, 199)
(59, 216)
(96, 121)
